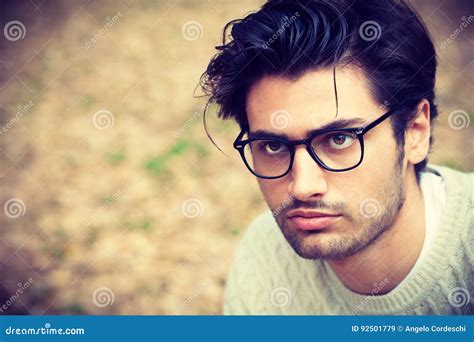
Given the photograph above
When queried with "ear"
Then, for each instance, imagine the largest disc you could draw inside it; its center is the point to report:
(417, 134)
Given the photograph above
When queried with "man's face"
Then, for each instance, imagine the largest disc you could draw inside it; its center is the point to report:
(345, 211)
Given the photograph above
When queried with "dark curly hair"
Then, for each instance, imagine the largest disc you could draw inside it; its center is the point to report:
(386, 39)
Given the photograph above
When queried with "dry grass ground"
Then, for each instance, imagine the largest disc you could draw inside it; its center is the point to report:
(145, 207)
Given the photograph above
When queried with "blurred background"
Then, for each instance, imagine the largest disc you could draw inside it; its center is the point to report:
(113, 201)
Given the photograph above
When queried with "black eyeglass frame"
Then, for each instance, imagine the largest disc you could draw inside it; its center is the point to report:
(359, 132)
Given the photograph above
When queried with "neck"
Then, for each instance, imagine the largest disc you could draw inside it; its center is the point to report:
(390, 258)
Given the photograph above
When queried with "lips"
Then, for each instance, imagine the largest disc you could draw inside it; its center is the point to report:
(311, 220)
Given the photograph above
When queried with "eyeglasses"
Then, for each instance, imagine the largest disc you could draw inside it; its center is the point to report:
(334, 149)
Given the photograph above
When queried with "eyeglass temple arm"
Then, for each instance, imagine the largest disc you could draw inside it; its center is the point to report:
(376, 122)
(239, 137)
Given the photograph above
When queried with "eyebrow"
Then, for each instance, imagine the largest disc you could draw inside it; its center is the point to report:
(343, 123)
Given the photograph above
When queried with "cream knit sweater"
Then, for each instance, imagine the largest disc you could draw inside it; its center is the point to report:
(269, 278)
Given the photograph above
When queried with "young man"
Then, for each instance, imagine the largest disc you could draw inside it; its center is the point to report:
(335, 101)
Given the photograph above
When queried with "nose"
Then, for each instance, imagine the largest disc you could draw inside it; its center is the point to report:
(308, 180)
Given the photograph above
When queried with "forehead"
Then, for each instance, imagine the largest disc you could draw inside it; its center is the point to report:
(293, 107)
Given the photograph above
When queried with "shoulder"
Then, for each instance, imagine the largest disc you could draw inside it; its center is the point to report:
(257, 267)
(456, 179)
(243, 280)
(262, 230)
(459, 188)
(459, 211)
(260, 244)
(263, 243)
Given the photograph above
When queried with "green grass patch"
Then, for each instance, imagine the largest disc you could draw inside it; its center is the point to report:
(158, 164)
(116, 157)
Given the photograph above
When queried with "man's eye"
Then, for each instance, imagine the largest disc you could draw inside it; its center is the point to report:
(340, 141)
(274, 147)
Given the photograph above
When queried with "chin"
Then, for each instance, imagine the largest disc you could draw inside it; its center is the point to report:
(323, 244)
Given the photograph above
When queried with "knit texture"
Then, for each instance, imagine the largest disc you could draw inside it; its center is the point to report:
(269, 278)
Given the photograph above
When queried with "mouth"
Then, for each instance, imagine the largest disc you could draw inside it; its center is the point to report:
(311, 220)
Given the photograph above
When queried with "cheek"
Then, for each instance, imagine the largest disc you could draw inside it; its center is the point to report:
(380, 158)
(275, 191)
(381, 148)
(370, 180)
